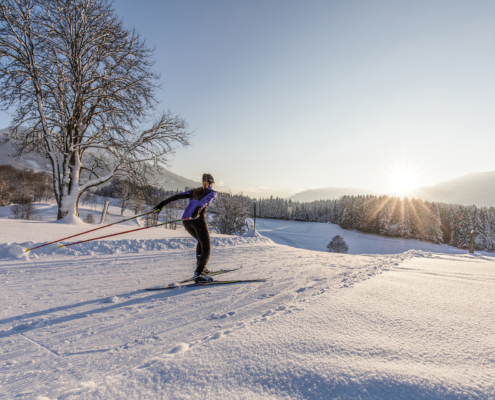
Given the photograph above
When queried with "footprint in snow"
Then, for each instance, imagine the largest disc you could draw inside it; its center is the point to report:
(29, 325)
(222, 316)
(217, 335)
(179, 348)
(113, 299)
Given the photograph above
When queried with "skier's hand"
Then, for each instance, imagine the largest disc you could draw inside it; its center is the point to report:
(159, 207)
(197, 211)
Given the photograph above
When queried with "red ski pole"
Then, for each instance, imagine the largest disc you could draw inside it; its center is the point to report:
(120, 233)
(91, 230)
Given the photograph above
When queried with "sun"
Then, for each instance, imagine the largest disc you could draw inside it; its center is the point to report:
(402, 182)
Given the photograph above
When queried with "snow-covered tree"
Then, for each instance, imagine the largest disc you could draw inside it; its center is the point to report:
(337, 245)
(230, 214)
(82, 92)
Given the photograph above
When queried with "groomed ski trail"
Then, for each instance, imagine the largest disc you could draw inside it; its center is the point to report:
(325, 326)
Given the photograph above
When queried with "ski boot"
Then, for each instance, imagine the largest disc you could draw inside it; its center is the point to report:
(200, 275)
(205, 271)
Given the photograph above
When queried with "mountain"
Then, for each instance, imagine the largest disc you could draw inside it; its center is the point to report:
(476, 188)
(166, 179)
(329, 193)
(26, 161)
(169, 180)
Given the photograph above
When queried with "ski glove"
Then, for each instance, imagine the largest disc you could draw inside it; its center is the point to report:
(159, 207)
(197, 211)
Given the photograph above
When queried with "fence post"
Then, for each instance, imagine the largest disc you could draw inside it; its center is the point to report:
(254, 216)
(471, 242)
(104, 214)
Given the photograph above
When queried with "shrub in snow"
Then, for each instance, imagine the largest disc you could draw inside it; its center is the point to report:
(25, 210)
(337, 245)
(230, 214)
(89, 219)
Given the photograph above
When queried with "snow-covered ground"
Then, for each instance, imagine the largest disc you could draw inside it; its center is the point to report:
(316, 236)
(401, 326)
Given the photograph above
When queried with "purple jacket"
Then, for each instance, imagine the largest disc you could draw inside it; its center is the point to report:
(198, 197)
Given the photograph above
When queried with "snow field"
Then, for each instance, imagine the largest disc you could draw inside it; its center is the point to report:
(414, 325)
(315, 236)
(75, 323)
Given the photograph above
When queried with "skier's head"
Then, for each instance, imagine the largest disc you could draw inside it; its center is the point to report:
(207, 180)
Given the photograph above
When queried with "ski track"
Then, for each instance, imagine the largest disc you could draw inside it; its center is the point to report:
(56, 347)
(82, 327)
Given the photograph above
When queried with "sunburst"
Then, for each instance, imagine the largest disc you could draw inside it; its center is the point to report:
(403, 181)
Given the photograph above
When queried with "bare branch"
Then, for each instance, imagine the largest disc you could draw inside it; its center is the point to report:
(82, 88)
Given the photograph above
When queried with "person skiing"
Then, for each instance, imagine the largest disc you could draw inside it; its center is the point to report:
(194, 220)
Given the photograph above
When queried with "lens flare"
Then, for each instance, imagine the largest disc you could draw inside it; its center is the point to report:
(402, 182)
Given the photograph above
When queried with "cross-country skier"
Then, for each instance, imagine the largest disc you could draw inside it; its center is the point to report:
(194, 220)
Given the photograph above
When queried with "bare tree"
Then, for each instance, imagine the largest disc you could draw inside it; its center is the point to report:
(25, 210)
(337, 245)
(124, 190)
(230, 214)
(82, 93)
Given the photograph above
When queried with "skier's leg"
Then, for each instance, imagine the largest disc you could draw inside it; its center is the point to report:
(204, 240)
(190, 228)
(203, 235)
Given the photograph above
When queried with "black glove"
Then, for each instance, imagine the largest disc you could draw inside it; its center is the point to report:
(197, 211)
(160, 206)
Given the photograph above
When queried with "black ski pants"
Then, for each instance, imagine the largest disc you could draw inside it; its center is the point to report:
(198, 229)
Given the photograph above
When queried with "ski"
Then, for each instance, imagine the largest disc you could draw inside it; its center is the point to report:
(213, 273)
(209, 284)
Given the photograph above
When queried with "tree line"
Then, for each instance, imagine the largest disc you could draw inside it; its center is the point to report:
(381, 215)
(390, 216)
(24, 186)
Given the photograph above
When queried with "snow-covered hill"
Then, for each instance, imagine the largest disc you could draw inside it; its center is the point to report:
(324, 326)
(476, 188)
(26, 161)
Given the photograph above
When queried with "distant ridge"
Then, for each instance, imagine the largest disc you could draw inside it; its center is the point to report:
(329, 193)
(477, 188)
(166, 179)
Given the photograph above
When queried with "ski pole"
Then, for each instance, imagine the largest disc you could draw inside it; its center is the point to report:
(91, 230)
(120, 233)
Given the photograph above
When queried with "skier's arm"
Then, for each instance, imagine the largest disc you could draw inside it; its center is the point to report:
(179, 196)
(203, 203)
(208, 199)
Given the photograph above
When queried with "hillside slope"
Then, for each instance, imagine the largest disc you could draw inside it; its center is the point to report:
(476, 188)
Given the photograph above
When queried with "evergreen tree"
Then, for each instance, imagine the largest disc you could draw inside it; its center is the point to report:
(337, 245)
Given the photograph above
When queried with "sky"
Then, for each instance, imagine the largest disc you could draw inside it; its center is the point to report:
(290, 95)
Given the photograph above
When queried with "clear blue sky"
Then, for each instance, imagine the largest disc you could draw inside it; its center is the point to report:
(297, 94)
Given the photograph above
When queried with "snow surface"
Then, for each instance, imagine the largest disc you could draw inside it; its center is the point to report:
(316, 236)
(401, 326)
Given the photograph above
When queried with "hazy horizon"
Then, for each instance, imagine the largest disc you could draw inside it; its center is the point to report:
(294, 95)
